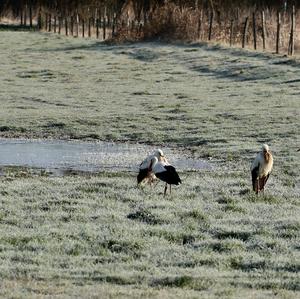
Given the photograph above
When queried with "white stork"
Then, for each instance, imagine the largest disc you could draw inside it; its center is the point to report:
(145, 173)
(261, 169)
(165, 172)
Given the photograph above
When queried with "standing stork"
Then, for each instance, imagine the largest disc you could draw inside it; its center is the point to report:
(261, 169)
(165, 172)
(145, 173)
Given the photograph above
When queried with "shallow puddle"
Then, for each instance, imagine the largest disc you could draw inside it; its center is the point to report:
(61, 157)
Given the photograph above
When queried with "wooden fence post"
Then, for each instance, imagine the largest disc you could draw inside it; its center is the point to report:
(245, 33)
(127, 22)
(21, 17)
(30, 14)
(97, 23)
(49, 25)
(25, 15)
(211, 18)
(39, 20)
(278, 32)
(231, 33)
(66, 26)
(263, 29)
(114, 25)
(292, 34)
(77, 25)
(72, 25)
(83, 27)
(254, 32)
(89, 22)
(89, 26)
(46, 22)
(108, 20)
(200, 19)
(104, 25)
(54, 24)
(59, 24)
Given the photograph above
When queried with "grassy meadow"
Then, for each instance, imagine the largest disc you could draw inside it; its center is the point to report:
(98, 236)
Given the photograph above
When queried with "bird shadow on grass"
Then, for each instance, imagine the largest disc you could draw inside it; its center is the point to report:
(146, 216)
(183, 281)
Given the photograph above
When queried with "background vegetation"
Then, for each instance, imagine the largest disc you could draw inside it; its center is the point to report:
(252, 23)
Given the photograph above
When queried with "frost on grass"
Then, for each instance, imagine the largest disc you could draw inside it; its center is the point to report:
(217, 102)
(80, 235)
(82, 230)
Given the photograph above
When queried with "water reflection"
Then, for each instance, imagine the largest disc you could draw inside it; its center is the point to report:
(62, 157)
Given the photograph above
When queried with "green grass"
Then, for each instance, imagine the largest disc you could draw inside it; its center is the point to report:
(86, 236)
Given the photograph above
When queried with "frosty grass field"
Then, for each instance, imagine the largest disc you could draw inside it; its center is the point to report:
(100, 236)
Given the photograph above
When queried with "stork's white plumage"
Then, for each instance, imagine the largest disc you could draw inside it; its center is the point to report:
(261, 168)
(165, 172)
(145, 173)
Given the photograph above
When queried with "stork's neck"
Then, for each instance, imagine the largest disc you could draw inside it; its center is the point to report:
(153, 162)
(267, 156)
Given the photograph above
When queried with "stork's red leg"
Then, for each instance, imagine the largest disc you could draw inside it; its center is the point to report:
(261, 184)
(264, 183)
(166, 187)
(257, 186)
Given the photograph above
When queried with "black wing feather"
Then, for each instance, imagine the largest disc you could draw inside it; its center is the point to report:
(143, 173)
(170, 176)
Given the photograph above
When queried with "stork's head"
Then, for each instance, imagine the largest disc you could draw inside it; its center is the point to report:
(159, 153)
(265, 148)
